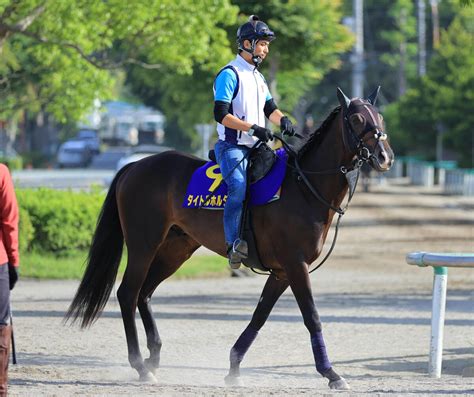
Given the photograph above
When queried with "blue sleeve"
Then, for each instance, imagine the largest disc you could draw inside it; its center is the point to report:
(225, 85)
(269, 96)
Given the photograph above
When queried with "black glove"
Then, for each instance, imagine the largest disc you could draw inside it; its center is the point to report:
(264, 134)
(286, 126)
(13, 274)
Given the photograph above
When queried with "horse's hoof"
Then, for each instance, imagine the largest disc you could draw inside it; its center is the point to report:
(232, 381)
(148, 378)
(339, 384)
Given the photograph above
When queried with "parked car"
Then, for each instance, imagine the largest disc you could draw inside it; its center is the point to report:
(140, 152)
(74, 153)
(91, 138)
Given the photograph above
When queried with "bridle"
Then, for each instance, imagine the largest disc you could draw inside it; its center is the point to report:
(358, 143)
(354, 143)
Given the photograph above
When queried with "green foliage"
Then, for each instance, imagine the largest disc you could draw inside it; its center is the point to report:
(186, 100)
(203, 266)
(61, 220)
(35, 160)
(443, 98)
(59, 60)
(402, 42)
(309, 42)
(185, 94)
(13, 163)
(26, 230)
(44, 265)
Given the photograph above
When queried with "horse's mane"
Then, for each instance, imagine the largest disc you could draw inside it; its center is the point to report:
(315, 138)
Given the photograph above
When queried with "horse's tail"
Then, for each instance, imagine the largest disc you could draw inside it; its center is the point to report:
(103, 261)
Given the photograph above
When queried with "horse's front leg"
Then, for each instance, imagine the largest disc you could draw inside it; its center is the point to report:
(300, 284)
(270, 294)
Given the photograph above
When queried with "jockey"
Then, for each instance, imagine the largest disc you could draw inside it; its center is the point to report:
(242, 100)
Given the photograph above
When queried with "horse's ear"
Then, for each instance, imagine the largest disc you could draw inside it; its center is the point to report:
(372, 98)
(343, 99)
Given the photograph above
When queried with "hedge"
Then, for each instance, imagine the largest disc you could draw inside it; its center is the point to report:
(13, 163)
(26, 230)
(57, 221)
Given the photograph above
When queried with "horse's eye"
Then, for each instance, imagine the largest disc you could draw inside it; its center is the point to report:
(357, 120)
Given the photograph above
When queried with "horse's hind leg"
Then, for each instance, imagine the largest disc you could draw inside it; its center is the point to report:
(138, 263)
(176, 249)
(270, 294)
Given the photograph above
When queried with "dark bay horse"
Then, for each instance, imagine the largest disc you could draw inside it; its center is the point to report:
(144, 208)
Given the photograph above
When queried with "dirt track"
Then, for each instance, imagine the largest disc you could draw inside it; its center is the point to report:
(375, 310)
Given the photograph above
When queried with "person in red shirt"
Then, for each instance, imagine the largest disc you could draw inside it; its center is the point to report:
(9, 262)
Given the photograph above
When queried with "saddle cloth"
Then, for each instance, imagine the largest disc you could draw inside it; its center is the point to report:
(206, 188)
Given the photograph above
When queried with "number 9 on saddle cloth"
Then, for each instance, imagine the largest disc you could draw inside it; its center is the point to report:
(267, 168)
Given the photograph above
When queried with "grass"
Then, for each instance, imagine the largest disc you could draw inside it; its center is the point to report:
(71, 266)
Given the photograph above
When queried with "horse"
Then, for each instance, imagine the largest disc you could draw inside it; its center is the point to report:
(143, 207)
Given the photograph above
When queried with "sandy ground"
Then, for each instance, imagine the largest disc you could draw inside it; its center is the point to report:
(375, 310)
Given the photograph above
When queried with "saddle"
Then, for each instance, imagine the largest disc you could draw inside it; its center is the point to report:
(261, 161)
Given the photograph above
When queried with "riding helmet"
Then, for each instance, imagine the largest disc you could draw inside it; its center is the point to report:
(253, 30)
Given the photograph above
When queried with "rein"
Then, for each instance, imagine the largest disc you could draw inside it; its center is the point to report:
(355, 167)
(363, 155)
(352, 177)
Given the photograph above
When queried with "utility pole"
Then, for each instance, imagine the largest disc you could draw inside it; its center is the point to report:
(358, 54)
(402, 81)
(421, 37)
(435, 21)
(440, 127)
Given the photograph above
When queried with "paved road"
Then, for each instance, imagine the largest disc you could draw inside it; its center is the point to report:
(77, 179)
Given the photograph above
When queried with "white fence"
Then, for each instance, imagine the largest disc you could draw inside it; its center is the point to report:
(440, 264)
(444, 173)
(421, 173)
(459, 182)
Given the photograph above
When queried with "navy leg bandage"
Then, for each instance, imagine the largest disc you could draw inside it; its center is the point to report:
(319, 353)
(238, 351)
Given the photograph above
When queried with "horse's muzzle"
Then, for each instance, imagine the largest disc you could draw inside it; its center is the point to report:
(383, 157)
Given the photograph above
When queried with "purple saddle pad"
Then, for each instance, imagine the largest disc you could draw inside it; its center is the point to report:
(207, 189)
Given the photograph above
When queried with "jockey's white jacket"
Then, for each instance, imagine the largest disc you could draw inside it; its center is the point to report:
(244, 87)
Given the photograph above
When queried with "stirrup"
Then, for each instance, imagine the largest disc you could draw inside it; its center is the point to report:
(236, 252)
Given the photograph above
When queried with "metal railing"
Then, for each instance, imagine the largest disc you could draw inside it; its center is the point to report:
(440, 263)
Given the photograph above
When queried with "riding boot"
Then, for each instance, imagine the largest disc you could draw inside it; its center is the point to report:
(236, 252)
(5, 340)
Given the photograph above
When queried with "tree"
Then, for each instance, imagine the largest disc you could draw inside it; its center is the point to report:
(59, 55)
(402, 41)
(309, 42)
(442, 99)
